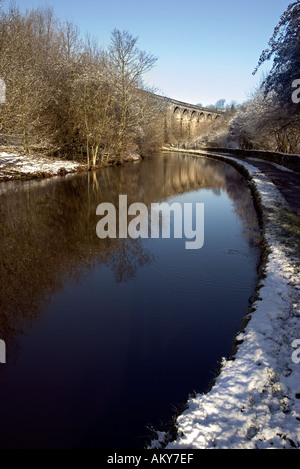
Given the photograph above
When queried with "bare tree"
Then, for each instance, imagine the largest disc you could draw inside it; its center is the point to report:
(262, 123)
(220, 104)
(69, 98)
(125, 65)
(20, 65)
(93, 114)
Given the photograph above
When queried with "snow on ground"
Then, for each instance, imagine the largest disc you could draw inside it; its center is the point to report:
(255, 401)
(14, 165)
(278, 166)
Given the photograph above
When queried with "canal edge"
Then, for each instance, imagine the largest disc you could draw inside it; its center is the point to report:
(250, 173)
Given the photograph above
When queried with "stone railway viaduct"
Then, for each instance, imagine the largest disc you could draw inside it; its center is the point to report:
(187, 120)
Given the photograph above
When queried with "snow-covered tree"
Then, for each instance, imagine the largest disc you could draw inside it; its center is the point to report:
(284, 48)
(270, 120)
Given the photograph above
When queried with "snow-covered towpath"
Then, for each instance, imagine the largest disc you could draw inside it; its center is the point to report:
(255, 401)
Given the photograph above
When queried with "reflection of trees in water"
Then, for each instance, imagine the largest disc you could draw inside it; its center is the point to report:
(127, 259)
(240, 194)
(48, 229)
(194, 173)
(47, 238)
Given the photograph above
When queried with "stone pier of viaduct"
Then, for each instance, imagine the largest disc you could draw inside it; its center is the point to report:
(184, 120)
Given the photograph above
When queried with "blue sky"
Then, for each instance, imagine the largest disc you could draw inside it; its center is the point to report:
(206, 49)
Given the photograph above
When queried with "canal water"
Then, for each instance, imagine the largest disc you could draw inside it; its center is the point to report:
(106, 338)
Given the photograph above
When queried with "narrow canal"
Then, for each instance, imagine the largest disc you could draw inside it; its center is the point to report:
(107, 337)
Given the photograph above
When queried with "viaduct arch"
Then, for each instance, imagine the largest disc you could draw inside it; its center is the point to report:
(187, 120)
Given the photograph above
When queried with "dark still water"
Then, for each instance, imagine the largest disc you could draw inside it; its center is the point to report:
(106, 338)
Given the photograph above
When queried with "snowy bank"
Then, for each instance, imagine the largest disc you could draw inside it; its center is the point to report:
(16, 166)
(255, 400)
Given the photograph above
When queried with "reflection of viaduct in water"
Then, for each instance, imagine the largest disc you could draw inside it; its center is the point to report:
(175, 175)
(61, 215)
(187, 120)
(192, 174)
